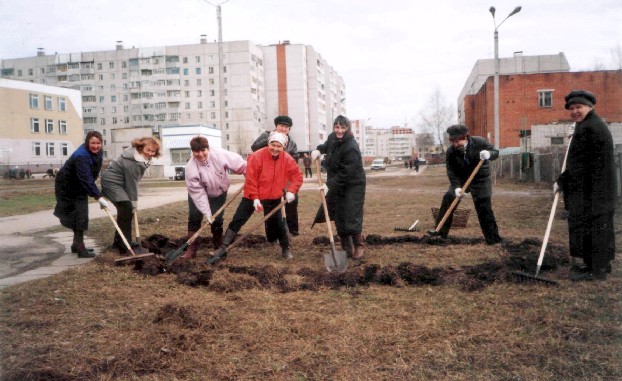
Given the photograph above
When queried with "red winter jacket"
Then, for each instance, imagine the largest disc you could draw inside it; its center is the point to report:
(266, 178)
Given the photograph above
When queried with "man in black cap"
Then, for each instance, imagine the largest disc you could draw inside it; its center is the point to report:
(283, 124)
(589, 189)
(461, 159)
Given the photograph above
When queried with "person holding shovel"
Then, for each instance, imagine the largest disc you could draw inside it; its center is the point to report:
(208, 184)
(120, 184)
(345, 185)
(74, 183)
(283, 124)
(461, 159)
(269, 170)
(588, 184)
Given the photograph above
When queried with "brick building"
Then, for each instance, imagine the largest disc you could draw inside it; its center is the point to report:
(526, 100)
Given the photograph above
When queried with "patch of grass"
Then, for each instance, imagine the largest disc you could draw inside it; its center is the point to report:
(20, 202)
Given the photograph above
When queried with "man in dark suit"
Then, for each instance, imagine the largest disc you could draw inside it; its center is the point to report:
(461, 159)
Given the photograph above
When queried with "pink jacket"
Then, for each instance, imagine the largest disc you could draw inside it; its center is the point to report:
(266, 178)
(209, 179)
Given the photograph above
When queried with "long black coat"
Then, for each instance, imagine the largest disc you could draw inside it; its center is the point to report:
(461, 165)
(588, 182)
(346, 182)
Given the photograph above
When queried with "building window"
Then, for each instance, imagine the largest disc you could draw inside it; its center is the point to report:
(197, 70)
(545, 98)
(212, 93)
(34, 125)
(199, 82)
(64, 149)
(62, 127)
(210, 70)
(61, 104)
(113, 98)
(200, 105)
(49, 149)
(186, 71)
(36, 149)
(47, 102)
(557, 141)
(101, 99)
(34, 101)
(114, 120)
(185, 60)
(197, 59)
(180, 155)
(49, 126)
(111, 65)
(187, 105)
(199, 93)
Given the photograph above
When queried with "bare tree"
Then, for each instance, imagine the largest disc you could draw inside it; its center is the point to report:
(436, 117)
(616, 55)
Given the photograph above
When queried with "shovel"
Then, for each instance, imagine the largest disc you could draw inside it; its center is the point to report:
(456, 200)
(171, 256)
(127, 245)
(217, 258)
(140, 249)
(337, 260)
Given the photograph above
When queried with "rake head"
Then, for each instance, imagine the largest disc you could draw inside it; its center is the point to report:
(405, 229)
(521, 277)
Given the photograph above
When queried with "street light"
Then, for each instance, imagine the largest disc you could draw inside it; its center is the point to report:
(497, 64)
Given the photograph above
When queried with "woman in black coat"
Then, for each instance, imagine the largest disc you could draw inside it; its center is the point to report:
(345, 184)
(74, 183)
(588, 184)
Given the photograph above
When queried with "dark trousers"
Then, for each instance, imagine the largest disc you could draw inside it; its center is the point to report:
(291, 215)
(124, 220)
(593, 240)
(275, 226)
(195, 217)
(308, 172)
(485, 215)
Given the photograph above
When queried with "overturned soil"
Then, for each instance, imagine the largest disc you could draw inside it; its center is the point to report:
(517, 257)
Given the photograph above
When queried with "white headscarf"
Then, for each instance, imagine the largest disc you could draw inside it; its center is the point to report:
(277, 137)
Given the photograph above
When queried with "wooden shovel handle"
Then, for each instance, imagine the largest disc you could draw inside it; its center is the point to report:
(264, 219)
(129, 248)
(218, 212)
(136, 229)
(326, 215)
(457, 199)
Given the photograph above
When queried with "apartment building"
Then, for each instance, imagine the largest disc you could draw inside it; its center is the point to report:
(40, 125)
(301, 84)
(149, 88)
(395, 142)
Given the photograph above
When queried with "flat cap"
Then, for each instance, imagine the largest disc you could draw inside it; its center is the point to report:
(579, 96)
(457, 131)
(283, 119)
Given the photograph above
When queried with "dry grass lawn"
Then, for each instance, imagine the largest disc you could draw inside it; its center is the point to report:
(413, 309)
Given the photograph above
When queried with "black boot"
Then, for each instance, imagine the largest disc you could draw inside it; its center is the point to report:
(347, 245)
(285, 251)
(83, 252)
(222, 250)
(359, 246)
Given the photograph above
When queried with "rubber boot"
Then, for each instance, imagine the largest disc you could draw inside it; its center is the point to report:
(347, 245)
(217, 237)
(191, 250)
(359, 246)
(83, 252)
(222, 250)
(75, 246)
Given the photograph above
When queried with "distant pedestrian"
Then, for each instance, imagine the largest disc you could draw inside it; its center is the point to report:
(28, 173)
(416, 163)
(306, 161)
(22, 174)
(13, 173)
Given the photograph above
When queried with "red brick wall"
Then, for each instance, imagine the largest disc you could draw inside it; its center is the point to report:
(518, 101)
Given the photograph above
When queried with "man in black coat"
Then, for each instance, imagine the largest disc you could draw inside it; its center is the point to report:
(283, 124)
(588, 184)
(461, 159)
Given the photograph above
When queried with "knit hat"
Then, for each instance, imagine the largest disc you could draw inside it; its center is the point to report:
(580, 96)
(283, 119)
(277, 137)
(457, 131)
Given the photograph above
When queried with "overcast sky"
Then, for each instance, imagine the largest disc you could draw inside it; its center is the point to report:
(392, 54)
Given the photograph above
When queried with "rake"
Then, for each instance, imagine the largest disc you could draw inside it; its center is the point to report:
(522, 277)
(412, 228)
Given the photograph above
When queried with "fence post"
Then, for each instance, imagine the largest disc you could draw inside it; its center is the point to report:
(536, 167)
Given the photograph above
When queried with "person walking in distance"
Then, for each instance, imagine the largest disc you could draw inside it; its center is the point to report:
(345, 184)
(306, 161)
(269, 170)
(120, 184)
(588, 184)
(283, 124)
(74, 183)
(208, 183)
(461, 159)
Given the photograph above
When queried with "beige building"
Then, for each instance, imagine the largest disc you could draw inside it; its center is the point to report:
(40, 126)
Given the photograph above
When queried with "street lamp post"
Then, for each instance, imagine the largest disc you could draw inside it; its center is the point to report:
(497, 67)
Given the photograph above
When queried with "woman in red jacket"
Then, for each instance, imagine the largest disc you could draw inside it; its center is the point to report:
(269, 171)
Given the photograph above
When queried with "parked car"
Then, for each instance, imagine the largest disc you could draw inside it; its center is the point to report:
(180, 173)
(378, 164)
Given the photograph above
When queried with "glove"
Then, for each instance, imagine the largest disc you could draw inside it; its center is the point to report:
(458, 192)
(315, 154)
(556, 188)
(484, 155)
(257, 205)
(324, 187)
(289, 196)
(102, 203)
(210, 220)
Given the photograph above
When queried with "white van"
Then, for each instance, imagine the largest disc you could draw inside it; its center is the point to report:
(378, 164)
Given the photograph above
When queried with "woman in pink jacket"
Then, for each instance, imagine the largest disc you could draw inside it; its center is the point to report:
(269, 171)
(208, 183)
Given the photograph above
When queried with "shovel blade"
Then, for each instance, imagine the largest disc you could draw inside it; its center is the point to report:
(336, 261)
